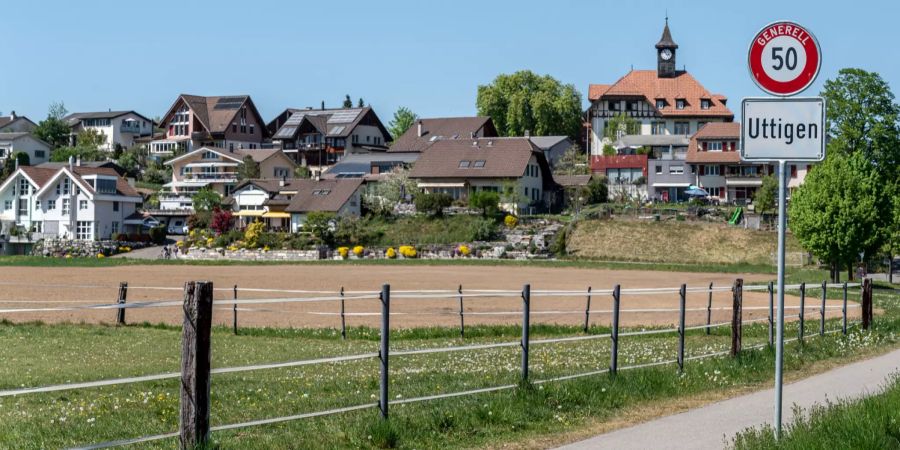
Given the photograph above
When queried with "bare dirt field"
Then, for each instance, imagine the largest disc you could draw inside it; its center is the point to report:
(35, 287)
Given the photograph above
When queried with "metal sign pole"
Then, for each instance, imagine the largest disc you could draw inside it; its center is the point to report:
(779, 337)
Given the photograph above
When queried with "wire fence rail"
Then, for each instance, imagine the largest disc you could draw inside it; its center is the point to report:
(197, 306)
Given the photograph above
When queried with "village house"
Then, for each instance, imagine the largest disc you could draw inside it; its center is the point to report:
(317, 138)
(459, 166)
(371, 167)
(119, 128)
(71, 202)
(11, 143)
(284, 204)
(668, 106)
(425, 132)
(217, 169)
(16, 124)
(193, 121)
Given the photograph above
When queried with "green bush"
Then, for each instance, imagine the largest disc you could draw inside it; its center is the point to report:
(158, 234)
(352, 231)
(486, 201)
(483, 230)
(225, 239)
(597, 191)
(271, 240)
(433, 204)
(558, 247)
(319, 224)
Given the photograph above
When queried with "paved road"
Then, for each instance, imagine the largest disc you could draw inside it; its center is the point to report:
(709, 427)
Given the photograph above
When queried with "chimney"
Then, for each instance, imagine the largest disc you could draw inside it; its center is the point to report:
(528, 133)
(72, 163)
(323, 105)
(419, 123)
(281, 182)
(12, 115)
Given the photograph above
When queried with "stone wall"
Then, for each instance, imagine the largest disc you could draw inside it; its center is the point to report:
(80, 249)
(198, 254)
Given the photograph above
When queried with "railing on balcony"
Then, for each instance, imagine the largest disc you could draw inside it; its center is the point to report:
(128, 128)
(221, 176)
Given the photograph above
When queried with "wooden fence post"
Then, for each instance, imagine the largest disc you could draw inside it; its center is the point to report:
(614, 333)
(867, 312)
(343, 319)
(195, 364)
(771, 314)
(384, 354)
(802, 311)
(844, 312)
(462, 320)
(737, 300)
(234, 326)
(123, 295)
(709, 309)
(682, 300)
(822, 311)
(526, 328)
(587, 311)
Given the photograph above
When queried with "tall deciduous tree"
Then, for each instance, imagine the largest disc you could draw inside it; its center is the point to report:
(53, 130)
(572, 162)
(525, 101)
(862, 117)
(766, 196)
(403, 119)
(249, 169)
(839, 211)
(206, 200)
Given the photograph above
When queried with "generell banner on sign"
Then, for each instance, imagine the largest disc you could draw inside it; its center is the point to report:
(785, 129)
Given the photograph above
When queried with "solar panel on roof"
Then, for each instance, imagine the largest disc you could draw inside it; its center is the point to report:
(336, 130)
(286, 132)
(295, 119)
(229, 103)
(344, 116)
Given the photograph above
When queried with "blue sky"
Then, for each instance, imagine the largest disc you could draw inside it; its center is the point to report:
(429, 56)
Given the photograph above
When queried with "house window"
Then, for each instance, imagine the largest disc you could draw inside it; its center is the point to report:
(281, 172)
(479, 164)
(39, 154)
(210, 155)
(82, 205)
(37, 226)
(704, 103)
(660, 104)
(115, 229)
(234, 128)
(682, 128)
(659, 170)
(51, 205)
(65, 206)
(658, 128)
(464, 164)
(676, 170)
(711, 170)
(7, 204)
(714, 146)
(23, 206)
(115, 206)
(714, 191)
(37, 205)
(679, 103)
(66, 186)
(23, 186)
(355, 139)
(251, 129)
(84, 231)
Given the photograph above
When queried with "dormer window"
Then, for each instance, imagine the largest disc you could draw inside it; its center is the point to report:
(479, 164)
(464, 164)
(660, 104)
(705, 103)
(679, 103)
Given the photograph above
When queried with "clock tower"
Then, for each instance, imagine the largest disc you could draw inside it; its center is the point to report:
(665, 54)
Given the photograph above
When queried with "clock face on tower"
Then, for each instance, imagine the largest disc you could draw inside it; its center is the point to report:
(666, 54)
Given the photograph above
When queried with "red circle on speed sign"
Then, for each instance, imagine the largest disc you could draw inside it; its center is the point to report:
(784, 58)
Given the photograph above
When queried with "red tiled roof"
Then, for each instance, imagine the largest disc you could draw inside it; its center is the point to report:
(595, 91)
(725, 131)
(601, 163)
(648, 84)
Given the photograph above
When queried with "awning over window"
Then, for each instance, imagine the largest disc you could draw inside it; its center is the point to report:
(676, 185)
(277, 215)
(211, 164)
(442, 185)
(249, 213)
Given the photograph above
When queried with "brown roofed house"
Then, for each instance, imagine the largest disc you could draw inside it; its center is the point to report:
(16, 124)
(425, 132)
(193, 121)
(460, 166)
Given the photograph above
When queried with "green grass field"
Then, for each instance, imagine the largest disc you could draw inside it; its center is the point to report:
(39, 355)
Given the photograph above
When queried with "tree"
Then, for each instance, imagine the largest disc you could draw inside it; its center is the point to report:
(403, 119)
(621, 125)
(360, 103)
(347, 102)
(609, 150)
(53, 130)
(838, 211)
(155, 173)
(512, 195)
(862, 117)
(9, 166)
(222, 221)
(487, 201)
(764, 201)
(525, 101)
(206, 199)
(572, 162)
(90, 139)
(80, 153)
(131, 160)
(433, 204)
(249, 169)
(396, 187)
(321, 225)
(301, 172)
(597, 191)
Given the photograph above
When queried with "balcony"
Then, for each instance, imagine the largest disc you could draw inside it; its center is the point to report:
(221, 177)
(133, 128)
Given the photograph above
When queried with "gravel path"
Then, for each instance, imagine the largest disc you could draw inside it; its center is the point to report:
(710, 427)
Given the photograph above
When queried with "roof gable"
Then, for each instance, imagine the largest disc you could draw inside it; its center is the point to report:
(216, 150)
(215, 113)
(649, 85)
(322, 195)
(442, 128)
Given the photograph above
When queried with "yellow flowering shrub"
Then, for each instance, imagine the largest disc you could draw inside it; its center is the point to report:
(232, 248)
(511, 221)
(100, 256)
(209, 242)
(464, 250)
(251, 235)
(390, 253)
(343, 251)
(358, 250)
(408, 251)
(180, 243)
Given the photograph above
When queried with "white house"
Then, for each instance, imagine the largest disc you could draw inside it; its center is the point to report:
(72, 202)
(37, 150)
(120, 128)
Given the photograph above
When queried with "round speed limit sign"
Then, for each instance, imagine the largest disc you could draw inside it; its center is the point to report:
(784, 58)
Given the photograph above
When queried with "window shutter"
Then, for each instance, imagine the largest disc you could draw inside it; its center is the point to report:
(702, 168)
(705, 146)
(722, 192)
(793, 170)
(721, 170)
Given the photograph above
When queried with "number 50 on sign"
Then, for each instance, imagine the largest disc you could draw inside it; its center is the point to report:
(784, 58)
